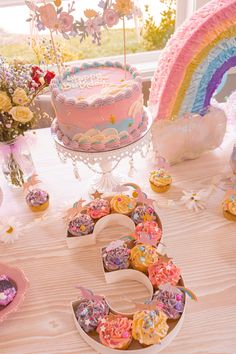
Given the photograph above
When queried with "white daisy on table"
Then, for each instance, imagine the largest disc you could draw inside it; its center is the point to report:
(10, 230)
(194, 200)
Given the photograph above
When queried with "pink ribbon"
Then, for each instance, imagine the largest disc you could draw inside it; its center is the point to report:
(18, 148)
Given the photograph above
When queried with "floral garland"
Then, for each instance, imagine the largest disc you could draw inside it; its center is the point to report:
(52, 16)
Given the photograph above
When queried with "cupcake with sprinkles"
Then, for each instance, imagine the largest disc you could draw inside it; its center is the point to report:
(142, 256)
(143, 213)
(8, 291)
(82, 225)
(98, 208)
(229, 206)
(171, 299)
(89, 312)
(149, 327)
(123, 204)
(163, 271)
(116, 256)
(148, 233)
(160, 180)
(115, 331)
(37, 199)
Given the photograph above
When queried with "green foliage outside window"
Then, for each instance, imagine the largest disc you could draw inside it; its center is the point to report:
(156, 36)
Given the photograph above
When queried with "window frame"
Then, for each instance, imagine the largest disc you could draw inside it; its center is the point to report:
(145, 62)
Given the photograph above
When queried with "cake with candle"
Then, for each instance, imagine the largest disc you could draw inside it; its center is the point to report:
(98, 106)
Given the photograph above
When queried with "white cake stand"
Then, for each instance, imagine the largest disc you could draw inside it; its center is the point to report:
(104, 163)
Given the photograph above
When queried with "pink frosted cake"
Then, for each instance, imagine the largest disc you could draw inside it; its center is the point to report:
(98, 107)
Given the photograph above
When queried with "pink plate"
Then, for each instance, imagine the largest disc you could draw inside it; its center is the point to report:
(22, 284)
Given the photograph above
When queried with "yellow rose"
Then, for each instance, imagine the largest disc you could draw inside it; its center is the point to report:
(21, 114)
(5, 102)
(20, 97)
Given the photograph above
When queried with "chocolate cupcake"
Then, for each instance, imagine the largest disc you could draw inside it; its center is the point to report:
(90, 312)
(143, 213)
(116, 256)
(8, 291)
(80, 226)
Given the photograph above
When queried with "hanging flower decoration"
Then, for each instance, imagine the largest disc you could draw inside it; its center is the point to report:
(54, 17)
(124, 8)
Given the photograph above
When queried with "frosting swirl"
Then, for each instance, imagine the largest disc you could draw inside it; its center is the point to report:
(37, 197)
(160, 177)
(149, 327)
(98, 208)
(229, 204)
(115, 332)
(82, 225)
(142, 256)
(90, 312)
(162, 272)
(116, 256)
(148, 232)
(171, 300)
(143, 213)
(123, 204)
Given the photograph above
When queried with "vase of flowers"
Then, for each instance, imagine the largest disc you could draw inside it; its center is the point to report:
(20, 84)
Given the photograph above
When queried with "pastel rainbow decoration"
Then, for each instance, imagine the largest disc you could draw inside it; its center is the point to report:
(195, 61)
(187, 121)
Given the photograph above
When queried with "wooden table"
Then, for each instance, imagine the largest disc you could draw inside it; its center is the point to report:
(203, 245)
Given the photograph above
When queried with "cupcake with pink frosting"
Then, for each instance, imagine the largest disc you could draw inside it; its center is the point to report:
(98, 208)
(115, 332)
(163, 271)
(148, 232)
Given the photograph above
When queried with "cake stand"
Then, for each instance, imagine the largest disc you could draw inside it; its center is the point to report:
(104, 163)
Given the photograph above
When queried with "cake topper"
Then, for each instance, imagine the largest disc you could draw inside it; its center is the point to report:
(96, 195)
(73, 212)
(32, 181)
(53, 17)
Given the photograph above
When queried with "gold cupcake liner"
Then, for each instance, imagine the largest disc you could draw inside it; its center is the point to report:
(160, 189)
(39, 208)
(229, 216)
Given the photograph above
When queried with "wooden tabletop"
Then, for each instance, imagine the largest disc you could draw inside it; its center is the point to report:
(203, 245)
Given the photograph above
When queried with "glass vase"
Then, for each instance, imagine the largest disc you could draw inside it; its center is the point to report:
(233, 159)
(17, 163)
